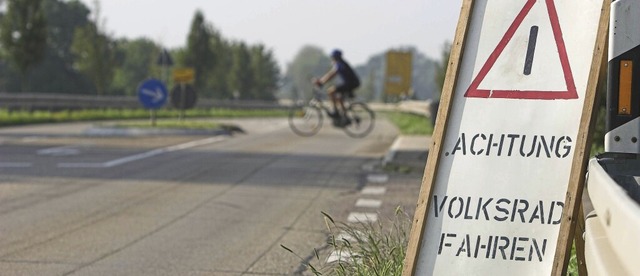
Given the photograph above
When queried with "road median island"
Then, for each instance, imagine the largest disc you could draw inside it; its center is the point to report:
(171, 127)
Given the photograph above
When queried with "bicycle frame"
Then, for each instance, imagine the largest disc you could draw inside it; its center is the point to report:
(317, 101)
(356, 123)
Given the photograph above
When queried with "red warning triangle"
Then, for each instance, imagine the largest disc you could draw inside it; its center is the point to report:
(569, 93)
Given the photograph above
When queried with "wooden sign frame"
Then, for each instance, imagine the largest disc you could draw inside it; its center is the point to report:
(580, 157)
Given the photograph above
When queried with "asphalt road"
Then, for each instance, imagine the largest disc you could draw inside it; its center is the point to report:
(73, 204)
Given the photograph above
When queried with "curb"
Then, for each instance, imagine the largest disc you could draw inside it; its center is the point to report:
(408, 149)
(114, 131)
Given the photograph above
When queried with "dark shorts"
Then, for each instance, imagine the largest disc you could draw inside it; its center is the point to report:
(346, 89)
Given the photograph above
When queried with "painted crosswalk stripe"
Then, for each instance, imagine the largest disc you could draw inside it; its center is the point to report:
(374, 190)
(368, 203)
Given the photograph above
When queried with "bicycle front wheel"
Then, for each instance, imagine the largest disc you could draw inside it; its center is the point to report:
(305, 120)
(361, 118)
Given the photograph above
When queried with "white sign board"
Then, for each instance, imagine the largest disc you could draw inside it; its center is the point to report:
(497, 198)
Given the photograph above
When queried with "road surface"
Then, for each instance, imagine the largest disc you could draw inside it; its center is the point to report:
(73, 204)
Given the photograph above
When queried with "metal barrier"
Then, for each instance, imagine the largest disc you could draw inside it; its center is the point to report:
(56, 102)
(59, 102)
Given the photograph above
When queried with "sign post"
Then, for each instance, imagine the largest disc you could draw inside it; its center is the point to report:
(152, 94)
(164, 60)
(183, 95)
(505, 174)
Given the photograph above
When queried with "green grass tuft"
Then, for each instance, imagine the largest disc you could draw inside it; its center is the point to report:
(410, 124)
(367, 248)
(11, 118)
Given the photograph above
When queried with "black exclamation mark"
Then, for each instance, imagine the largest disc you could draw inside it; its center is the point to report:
(528, 62)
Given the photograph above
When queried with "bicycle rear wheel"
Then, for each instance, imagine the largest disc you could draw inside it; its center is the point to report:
(362, 120)
(305, 120)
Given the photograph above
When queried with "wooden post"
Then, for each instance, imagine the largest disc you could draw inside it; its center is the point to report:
(424, 199)
(573, 199)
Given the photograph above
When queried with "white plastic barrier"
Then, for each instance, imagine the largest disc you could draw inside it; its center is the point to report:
(612, 234)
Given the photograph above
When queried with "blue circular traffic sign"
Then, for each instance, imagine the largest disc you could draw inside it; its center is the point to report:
(152, 94)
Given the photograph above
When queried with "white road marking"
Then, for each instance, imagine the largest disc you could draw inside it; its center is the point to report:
(374, 190)
(377, 178)
(342, 256)
(144, 155)
(349, 237)
(15, 165)
(370, 167)
(30, 139)
(368, 203)
(59, 151)
(362, 217)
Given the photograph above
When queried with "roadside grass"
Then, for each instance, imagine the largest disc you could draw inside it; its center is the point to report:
(12, 118)
(361, 249)
(410, 124)
(365, 249)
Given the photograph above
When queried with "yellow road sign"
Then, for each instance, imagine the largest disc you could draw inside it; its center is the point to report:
(398, 72)
(184, 75)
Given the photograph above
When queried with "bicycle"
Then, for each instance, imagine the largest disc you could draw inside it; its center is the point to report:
(306, 119)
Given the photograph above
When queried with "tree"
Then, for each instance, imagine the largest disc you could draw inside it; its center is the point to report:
(217, 83)
(135, 60)
(56, 74)
(199, 54)
(442, 66)
(94, 52)
(310, 62)
(265, 73)
(241, 78)
(23, 35)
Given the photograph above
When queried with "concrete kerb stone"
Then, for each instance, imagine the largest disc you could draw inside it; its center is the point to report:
(115, 131)
(409, 150)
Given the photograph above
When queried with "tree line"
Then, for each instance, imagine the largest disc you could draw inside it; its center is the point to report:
(58, 46)
(311, 61)
(61, 46)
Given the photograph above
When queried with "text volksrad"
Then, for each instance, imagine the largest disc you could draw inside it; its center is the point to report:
(503, 210)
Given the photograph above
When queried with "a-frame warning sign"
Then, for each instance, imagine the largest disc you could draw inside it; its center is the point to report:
(568, 91)
(502, 185)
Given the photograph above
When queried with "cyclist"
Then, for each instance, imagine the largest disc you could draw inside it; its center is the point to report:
(349, 81)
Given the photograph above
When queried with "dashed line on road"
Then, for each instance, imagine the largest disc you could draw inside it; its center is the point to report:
(378, 178)
(342, 256)
(368, 203)
(377, 190)
(369, 167)
(362, 217)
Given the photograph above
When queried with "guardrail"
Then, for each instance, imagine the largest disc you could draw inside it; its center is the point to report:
(57, 102)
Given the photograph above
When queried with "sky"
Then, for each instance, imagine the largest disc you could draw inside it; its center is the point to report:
(360, 28)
